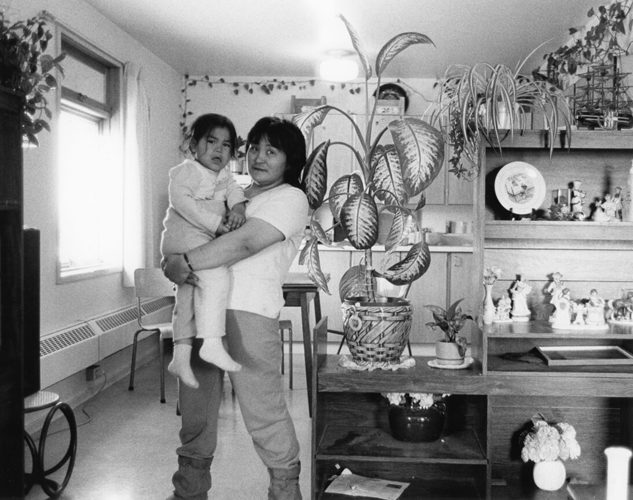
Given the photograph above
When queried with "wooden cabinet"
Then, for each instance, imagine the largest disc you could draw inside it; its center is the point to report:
(11, 307)
(494, 399)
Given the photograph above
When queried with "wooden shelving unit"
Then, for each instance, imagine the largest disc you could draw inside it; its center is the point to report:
(492, 401)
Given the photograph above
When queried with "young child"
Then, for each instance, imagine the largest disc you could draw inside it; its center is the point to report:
(198, 191)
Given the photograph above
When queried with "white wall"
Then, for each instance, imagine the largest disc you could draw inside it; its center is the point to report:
(65, 304)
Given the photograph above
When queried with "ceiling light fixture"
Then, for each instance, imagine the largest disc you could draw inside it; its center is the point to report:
(339, 66)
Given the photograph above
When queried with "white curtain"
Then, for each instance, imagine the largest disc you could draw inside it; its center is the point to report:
(136, 188)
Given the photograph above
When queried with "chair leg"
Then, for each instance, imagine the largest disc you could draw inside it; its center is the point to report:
(281, 333)
(409, 347)
(340, 346)
(290, 339)
(161, 350)
(133, 365)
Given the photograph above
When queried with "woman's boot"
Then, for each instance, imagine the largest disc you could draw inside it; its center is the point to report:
(192, 480)
(284, 483)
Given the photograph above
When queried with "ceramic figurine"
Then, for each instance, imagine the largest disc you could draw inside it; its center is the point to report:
(578, 311)
(609, 207)
(617, 200)
(595, 309)
(562, 314)
(520, 290)
(577, 200)
(504, 306)
(555, 288)
(600, 214)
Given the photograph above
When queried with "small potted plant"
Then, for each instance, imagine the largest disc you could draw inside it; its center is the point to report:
(26, 70)
(450, 350)
(416, 416)
(547, 445)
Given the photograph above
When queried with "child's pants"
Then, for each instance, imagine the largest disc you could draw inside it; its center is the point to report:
(254, 342)
(205, 304)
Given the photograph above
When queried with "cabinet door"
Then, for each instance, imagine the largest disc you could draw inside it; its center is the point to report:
(460, 191)
(460, 268)
(431, 288)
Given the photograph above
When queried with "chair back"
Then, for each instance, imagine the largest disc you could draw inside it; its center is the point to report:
(151, 282)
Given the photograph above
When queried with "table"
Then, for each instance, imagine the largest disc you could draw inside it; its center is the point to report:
(299, 291)
(38, 401)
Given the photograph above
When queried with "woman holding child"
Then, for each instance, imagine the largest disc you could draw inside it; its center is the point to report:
(259, 254)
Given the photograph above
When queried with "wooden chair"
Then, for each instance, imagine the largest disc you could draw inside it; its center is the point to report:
(151, 283)
(285, 325)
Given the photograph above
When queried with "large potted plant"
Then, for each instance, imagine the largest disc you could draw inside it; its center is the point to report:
(26, 70)
(486, 103)
(388, 176)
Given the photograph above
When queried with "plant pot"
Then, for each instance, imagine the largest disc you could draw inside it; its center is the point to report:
(376, 331)
(417, 424)
(549, 475)
(449, 353)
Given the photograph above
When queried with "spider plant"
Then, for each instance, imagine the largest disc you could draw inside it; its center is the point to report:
(486, 102)
(387, 174)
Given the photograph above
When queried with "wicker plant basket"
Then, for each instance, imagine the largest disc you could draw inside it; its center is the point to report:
(376, 331)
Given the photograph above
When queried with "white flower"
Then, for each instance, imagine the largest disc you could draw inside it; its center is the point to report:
(422, 400)
(547, 442)
(491, 274)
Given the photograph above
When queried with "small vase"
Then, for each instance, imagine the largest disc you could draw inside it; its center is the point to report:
(549, 475)
(489, 306)
(417, 424)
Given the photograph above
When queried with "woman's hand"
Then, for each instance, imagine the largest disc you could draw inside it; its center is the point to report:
(176, 269)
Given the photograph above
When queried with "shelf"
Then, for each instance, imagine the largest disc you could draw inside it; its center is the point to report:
(543, 329)
(435, 489)
(372, 444)
(421, 378)
(580, 139)
(558, 234)
(536, 366)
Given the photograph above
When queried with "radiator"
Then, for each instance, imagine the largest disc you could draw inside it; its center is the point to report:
(72, 349)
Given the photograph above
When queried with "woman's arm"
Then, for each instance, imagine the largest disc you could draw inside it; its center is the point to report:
(253, 236)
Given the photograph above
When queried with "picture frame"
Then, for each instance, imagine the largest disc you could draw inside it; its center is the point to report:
(575, 355)
(299, 105)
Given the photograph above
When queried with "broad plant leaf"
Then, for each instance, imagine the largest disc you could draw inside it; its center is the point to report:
(353, 283)
(314, 181)
(308, 120)
(397, 229)
(387, 176)
(421, 151)
(342, 188)
(319, 233)
(421, 201)
(396, 45)
(359, 218)
(311, 260)
(358, 47)
(409, 269)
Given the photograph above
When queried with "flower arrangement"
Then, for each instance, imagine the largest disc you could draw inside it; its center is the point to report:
(548, 442)
(491, 275)
(414, 400)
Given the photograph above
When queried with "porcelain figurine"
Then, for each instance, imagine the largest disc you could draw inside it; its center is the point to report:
(578, 312)
(555, 289)
(520, 290)
(504, 306)
(562, 313)
(577, 201)
(595, 309)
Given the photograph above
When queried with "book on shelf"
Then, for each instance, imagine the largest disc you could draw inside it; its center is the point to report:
(580, 491)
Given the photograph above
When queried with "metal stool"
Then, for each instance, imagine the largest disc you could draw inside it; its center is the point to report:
(285, 325)
(40, 401)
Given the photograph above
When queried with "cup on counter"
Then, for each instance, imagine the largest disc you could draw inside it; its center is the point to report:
(459, 226)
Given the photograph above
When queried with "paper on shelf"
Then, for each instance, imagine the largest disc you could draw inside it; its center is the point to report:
(358, 486)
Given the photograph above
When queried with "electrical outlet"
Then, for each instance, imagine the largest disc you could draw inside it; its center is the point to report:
(93, 372)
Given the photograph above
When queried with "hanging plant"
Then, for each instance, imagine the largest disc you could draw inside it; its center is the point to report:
(27, 70)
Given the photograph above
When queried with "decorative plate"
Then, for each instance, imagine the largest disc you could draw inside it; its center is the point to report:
(467, 362)
(520, 187)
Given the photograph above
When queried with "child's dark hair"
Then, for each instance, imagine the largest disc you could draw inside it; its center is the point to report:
(206, 123)
(286, 136)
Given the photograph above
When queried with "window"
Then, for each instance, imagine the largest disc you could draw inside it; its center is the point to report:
(90, 167)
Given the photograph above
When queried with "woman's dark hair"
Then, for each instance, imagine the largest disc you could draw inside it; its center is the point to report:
(206, 123)
(286, 136)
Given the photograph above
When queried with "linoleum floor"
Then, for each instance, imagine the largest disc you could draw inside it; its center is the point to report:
(127, 441)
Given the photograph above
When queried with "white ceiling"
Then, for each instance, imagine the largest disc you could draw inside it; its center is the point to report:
(289, 37)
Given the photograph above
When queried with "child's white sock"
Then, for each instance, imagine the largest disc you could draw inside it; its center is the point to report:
(213, 351)
(180, 365)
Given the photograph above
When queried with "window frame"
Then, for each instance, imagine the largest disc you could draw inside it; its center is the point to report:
(108, 115)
